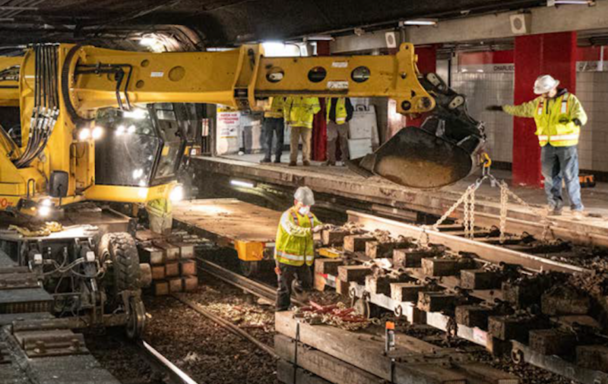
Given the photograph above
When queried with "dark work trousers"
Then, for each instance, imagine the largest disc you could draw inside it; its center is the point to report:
(286, 278)
(271, 126)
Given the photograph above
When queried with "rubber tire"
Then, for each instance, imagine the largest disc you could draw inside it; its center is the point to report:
(249, 268)
(125, 273)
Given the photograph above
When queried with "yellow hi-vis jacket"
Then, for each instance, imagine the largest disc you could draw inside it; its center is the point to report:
(159, 207)
(341, 112)
(294, 242)
(547, 115)
(300, 111)
(275, 109)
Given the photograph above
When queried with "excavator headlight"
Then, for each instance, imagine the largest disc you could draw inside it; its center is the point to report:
(177, 194)
(44, 208)
(97, 133)
(84, 134)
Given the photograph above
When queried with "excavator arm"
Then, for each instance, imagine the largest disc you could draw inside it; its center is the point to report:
(62, 91)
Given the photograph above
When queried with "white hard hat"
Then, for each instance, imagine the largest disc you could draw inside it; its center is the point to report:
(544, 84)
(305, 196)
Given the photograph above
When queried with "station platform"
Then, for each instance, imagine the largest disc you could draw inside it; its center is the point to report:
(390, 198)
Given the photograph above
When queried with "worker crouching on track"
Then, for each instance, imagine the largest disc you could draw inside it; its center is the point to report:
(559, 117)
(294, 248)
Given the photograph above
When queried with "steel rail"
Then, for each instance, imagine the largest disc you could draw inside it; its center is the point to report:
(174, 375)
(248, 285)
(226, 324)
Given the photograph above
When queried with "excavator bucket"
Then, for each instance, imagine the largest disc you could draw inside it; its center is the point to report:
(439, 153)
(418, 159)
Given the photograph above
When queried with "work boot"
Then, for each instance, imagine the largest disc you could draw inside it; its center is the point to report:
(292, 163)
(264, 161)
(578, 214)
(552, 211)
(277, 160)
(306, 163)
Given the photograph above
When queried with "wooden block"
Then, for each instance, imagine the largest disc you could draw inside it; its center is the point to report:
(187, 267)
(513, 327)
(319, 282)
(327, 266)
(160, 288)
(333, 236)
(176, 285)
(564, 300)
(286, 374)
(498, 347)
(355, 273)
(381, 285)
(171, 252)
(592, 357)
(408, 258)
(356, 243)
(172, 269)
(342, 287)
(552, 341)
(377, 250)
(190, 283)
(436, 301)
(158, 272)
(474, 316)
(444, 266)
(186, 250)
(479, 279)
(151, 255)
(322, 364)
(523, 293)
(406, 291)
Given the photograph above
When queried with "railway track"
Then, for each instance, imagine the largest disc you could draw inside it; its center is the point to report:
(169, 372)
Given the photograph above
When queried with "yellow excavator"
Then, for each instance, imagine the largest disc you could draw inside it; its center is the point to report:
(103, 125)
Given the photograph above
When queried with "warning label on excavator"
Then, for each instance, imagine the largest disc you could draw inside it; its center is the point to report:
(340, 64)
(337, 85)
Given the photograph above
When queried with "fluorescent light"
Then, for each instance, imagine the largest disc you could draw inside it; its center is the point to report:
(244, 184)
(148, 41)
(419, 22)
(552, 3)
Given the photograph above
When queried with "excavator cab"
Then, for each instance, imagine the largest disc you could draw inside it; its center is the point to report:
(143, 147)
(438, 153)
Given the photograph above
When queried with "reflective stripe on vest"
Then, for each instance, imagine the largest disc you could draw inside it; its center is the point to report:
(297, 221)
(565, 103)
(290, 256)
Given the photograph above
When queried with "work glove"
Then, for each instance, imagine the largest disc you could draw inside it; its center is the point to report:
(577, 122)
(317, 229)
(277, 270)
(494, 108)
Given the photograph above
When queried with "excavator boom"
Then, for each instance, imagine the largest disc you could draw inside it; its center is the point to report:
(63, 90)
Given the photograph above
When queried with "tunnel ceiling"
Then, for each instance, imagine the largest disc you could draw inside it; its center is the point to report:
(217, 22)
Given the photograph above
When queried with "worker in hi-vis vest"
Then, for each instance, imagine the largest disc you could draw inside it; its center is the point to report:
(339, 112)
(294, 247)
(559, 117)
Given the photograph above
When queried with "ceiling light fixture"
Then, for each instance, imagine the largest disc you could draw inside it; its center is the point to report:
(553, 3)
(418, 22)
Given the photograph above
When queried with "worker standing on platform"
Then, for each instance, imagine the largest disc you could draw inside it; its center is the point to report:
(294, 248)
(273, 124)
(339, 113)
(559, 117)
(299, 114)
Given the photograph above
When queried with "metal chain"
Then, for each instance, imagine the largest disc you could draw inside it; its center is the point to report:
(472, 214)
(451, 210)
(504, 201)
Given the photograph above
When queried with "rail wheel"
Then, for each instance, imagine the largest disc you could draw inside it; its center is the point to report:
(362, 307)
(249, 268)
(136, 320)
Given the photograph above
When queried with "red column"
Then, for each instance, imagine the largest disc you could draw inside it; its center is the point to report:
(535, 55)
(319, 125)
(427, 63)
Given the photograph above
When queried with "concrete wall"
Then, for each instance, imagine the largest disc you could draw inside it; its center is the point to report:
(592, 90)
